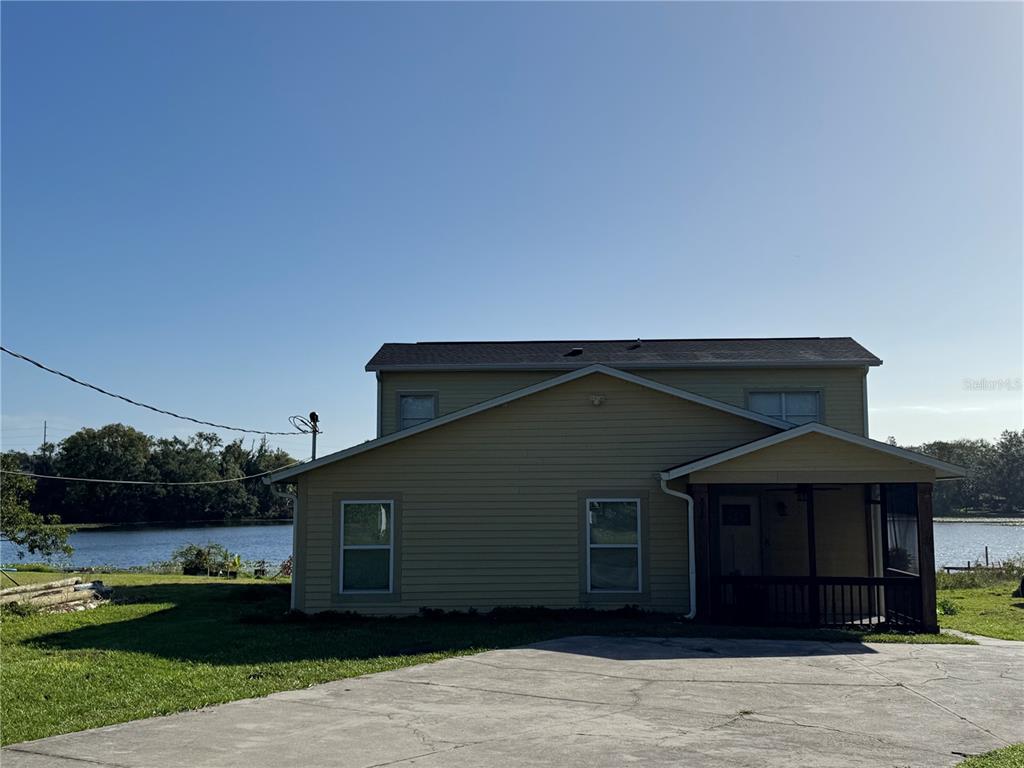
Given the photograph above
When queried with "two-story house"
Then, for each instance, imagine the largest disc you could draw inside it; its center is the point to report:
(727, 479)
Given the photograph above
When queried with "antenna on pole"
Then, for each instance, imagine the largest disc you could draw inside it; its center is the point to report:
(307, 426)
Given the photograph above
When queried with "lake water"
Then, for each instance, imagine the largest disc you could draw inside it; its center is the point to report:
(955, 543)
(127, 547)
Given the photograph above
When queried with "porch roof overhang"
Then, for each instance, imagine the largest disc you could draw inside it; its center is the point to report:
(815, 453)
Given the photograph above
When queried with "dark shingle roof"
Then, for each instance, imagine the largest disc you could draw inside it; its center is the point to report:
(812, 351)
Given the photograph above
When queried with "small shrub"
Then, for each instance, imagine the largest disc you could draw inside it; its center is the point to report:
(947, 607)
(211, 560)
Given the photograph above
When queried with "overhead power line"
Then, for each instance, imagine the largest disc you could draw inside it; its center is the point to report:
(129, 400)
(147, 482)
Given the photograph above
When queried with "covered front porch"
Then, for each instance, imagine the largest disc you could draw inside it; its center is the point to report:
(830, 555)
(814, 527)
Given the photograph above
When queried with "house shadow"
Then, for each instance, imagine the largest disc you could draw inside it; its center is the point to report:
(225, 623)
(717, 642)
(236, 624)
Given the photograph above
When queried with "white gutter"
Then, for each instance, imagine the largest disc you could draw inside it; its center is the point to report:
(295, 532)
(690, 547)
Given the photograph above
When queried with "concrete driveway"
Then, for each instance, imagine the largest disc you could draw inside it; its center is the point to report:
(593, 701)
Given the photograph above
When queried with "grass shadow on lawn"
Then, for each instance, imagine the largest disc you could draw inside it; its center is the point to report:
(236, 624)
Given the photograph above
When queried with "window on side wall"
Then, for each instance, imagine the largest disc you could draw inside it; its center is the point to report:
(613, 545)
(794, 407)
(414, 409)
(367, 546)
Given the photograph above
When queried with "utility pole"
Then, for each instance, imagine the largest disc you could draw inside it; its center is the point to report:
(44, 431)
(310, 425)
(313, 419)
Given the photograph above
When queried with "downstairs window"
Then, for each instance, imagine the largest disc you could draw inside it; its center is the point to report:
(367, 546)
(613, 545)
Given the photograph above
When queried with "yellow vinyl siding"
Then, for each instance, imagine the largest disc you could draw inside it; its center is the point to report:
(490, 504)
(842, 389)
(455, 389)
(833, 461)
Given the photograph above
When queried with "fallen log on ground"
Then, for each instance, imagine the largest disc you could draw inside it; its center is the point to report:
(33, 596)
(28, 588)
(57, 594)
(63, 598)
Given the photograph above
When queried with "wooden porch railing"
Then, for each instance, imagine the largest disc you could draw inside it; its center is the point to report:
(821, 601)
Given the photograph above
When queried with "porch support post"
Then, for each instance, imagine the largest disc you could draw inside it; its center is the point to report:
(812, 558)
(702, 548)
(926, 557)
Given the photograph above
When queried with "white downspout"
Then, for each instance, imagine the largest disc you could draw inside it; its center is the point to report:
(295, 533)
(690, 548)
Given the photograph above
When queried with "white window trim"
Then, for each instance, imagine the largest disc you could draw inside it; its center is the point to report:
(637, 546)
(390, 546)
(782, 401)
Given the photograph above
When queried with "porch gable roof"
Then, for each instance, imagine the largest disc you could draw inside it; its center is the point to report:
(943, 470)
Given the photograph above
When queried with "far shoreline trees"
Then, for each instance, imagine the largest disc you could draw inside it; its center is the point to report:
(995, 475)
(119, 452)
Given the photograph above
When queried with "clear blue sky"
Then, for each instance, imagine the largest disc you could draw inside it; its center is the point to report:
(225, 208)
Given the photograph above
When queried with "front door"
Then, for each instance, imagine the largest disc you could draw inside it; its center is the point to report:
(739, 537)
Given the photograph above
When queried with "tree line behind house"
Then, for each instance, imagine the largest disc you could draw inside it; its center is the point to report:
(120, 452)
(994, 484)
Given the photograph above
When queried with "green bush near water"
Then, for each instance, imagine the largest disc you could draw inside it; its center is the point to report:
(1011, 569)
(211, 560)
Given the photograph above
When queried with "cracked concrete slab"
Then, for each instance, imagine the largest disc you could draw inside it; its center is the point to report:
(597, 701)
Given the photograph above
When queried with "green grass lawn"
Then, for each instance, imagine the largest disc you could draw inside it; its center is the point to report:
(172, 643)
(1008, 757)
(984, 610)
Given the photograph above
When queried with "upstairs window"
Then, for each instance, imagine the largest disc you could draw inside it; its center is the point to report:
(416, 409)
(794, 407)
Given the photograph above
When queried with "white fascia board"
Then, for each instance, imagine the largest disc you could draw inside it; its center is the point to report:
(516, 395)
(949, 470)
